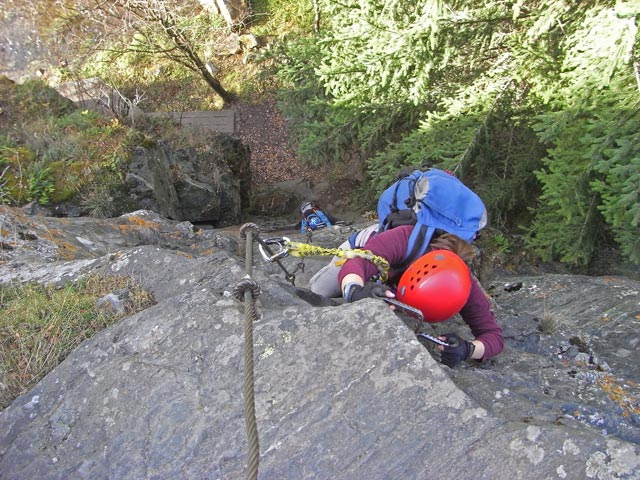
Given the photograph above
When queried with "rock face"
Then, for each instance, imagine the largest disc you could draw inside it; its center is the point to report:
(342, 391)
(213, 186)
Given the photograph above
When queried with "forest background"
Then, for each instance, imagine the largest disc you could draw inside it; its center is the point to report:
(534, 103)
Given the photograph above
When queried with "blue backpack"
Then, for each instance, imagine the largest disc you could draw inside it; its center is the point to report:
(435, 202)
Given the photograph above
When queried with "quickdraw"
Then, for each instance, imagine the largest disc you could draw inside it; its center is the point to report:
(297, 249)
(265, 250)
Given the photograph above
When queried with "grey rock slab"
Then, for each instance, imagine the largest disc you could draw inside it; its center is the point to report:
(341, 392)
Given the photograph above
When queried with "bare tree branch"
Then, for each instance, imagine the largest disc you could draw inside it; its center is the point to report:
(160, 27)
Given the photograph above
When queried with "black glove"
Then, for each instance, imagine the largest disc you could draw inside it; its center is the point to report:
(458, 350)
(368, 290)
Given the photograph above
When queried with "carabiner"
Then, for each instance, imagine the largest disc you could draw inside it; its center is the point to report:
(263, 247)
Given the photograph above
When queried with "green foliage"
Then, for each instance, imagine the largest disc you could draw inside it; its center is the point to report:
(51, 157)
(41, 184)
(151, 46)
(619, 186)
(15, 162)
(282, 17)
(374, 49)
(77, 120)
(527, 101)
(493, 90)
(590, 177)
(41, 325)
(430, 145)
(106, 196)
(35, 99)
(379, 83)
(487, 146)
(326, 131)
(502, 158)
(501, 243)
(7, 141)
(68, 176)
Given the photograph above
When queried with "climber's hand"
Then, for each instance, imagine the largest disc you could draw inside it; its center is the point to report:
(458, 350)
(368, 290)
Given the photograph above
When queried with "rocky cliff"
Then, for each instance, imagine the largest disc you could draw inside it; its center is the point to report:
(342, 391)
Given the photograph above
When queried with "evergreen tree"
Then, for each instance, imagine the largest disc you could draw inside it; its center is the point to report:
(592, 119)
(469, 83)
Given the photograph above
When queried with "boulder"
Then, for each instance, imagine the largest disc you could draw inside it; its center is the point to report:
(95, 94)
(211, 186)
(282, 199)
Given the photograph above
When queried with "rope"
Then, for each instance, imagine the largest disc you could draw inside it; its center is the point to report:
(246, 290)
(305, 250)
(246, 231)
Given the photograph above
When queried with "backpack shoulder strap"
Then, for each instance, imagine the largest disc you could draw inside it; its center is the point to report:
(418, 243)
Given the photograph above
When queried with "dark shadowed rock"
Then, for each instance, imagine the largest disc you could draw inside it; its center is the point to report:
(343, 391)
(211, 186)
(282, 198)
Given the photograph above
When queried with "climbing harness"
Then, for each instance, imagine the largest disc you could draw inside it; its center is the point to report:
(286, 247)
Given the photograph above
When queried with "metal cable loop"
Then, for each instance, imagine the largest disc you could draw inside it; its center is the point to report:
(250, 315)
(247, 284)
(248, 226)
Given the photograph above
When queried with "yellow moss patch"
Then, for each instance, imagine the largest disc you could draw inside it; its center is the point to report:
(56, 231)
(139, 221)
(67, 251)
(628, 401)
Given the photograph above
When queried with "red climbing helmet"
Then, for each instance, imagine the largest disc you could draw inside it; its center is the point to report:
(438, 284)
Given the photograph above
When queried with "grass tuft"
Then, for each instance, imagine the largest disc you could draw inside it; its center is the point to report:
(41, 324)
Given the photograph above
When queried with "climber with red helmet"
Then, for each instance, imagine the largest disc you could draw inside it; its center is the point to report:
(439, 284)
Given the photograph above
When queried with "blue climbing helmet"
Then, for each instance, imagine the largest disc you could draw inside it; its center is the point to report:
(312, 217)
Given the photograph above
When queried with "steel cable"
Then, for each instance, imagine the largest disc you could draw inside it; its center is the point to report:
(246, 290)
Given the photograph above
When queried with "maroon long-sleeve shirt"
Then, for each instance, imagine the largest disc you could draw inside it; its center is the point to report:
(392, 246)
